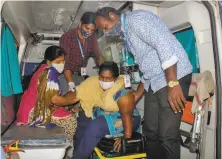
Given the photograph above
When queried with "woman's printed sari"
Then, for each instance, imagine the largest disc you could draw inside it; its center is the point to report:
(114, 119)
(36, 109)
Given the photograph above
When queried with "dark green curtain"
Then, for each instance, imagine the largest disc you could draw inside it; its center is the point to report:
(10, 71)
(187, 39)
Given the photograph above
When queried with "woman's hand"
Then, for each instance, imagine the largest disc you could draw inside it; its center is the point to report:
(117, 145)
(139, 93)
(68, 75)
(72, 86)
(136, 96)
(53, 108)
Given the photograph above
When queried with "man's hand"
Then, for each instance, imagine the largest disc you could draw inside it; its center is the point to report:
(117, 145)
(176, 98)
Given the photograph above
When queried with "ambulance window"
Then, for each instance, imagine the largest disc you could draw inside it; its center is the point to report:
(187, 39)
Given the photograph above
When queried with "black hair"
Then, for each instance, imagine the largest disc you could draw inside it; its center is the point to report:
(53, 52)
(104, 12)
(110, 66)
(88, 18)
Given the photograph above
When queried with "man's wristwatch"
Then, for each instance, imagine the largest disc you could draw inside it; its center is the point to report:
(172, 84)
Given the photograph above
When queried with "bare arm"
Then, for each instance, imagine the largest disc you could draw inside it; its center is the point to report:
(171, 73)
(140, 90)
(68, 99)
(68, 75)
(126, 107)
(68, 64)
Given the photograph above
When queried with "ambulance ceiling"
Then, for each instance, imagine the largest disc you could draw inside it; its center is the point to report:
(50, 16)
(56, 16)
(24, 17)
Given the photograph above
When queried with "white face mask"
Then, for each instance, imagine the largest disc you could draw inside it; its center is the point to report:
(106, 85)
(59, 67)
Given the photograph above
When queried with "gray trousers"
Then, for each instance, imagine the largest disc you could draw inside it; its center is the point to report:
(161, 125)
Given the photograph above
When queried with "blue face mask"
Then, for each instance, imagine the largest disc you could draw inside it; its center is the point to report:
(85, 34)
(115, 31)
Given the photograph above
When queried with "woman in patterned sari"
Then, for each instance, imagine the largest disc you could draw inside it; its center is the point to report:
(109, 109)
(36, 108)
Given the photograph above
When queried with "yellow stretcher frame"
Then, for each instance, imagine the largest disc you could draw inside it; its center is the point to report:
(98, 153)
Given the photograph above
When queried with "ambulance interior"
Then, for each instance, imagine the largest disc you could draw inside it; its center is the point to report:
(38, 24)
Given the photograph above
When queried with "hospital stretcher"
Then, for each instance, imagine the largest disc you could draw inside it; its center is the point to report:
(194, 138)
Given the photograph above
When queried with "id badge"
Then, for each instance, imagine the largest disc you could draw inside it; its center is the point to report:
(127, 81)
(83, 71)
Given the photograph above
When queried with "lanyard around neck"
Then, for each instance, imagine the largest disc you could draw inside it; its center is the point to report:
(80, 47)
(81, 51)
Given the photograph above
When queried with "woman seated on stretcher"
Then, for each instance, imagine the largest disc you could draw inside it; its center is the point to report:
(36, 108)
(110, 109)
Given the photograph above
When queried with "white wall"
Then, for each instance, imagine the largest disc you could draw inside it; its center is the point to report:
(14, 14)
(137, 6)
(19, 28)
